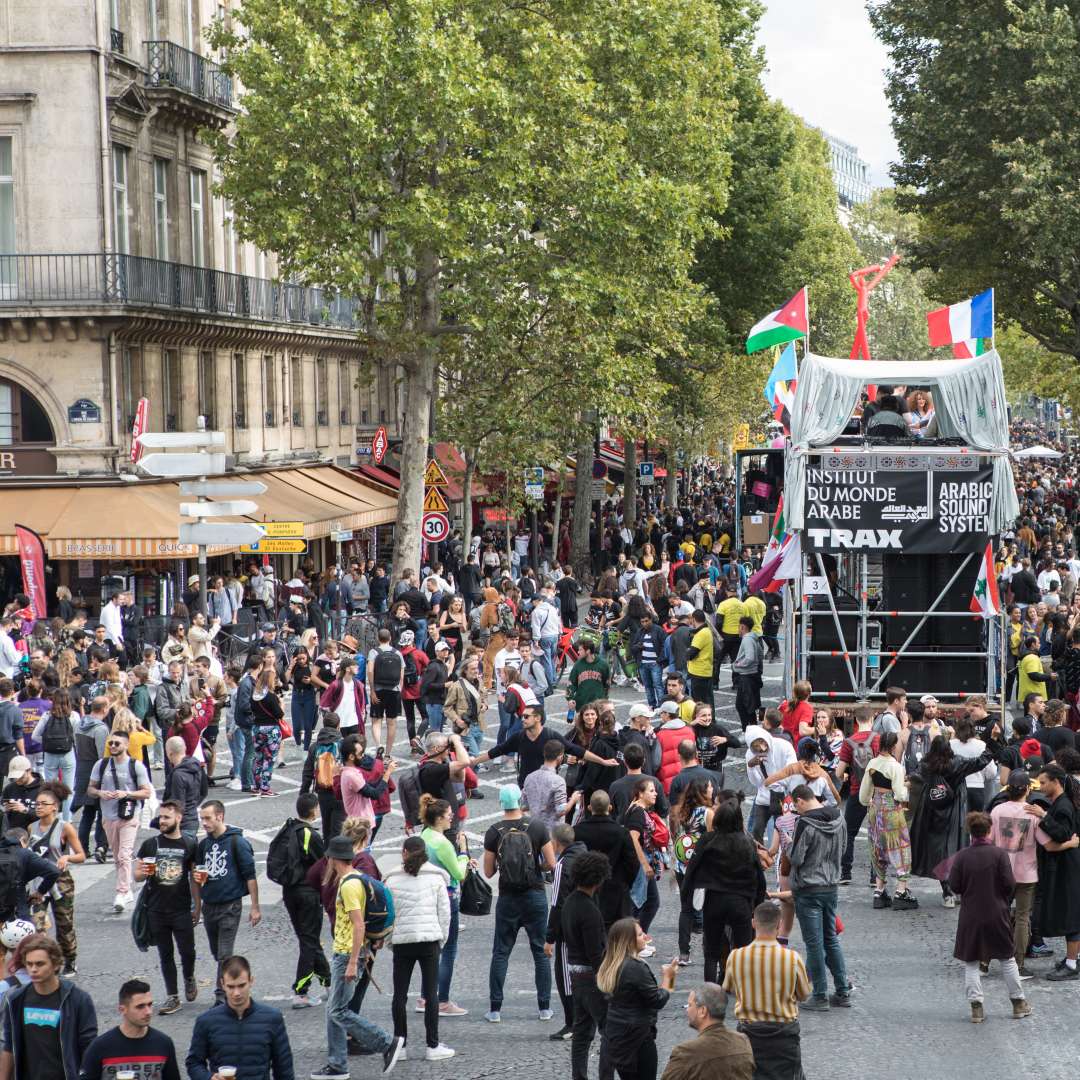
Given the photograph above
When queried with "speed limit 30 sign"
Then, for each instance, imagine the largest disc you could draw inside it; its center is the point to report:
(436, 527)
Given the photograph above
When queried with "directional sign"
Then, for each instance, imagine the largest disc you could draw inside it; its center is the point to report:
(227, 533)
(435, 502)
(182, 464)
(226, 508)
(534, 483)
(364, 450)
(164, 440)
(434, 476)
(380, 443)
(436, 527)
(646, 473)
(341, 537)
(283, 529)
(223, 489)
(276, 547)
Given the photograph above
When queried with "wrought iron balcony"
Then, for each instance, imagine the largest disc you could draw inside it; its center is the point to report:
(131, 281)
(172, 67)
(116, 40)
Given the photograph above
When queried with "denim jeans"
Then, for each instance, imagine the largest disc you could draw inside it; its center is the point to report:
(62, 766)
(473, 740)
(549, 645)
(449, 950)
(513, 912)
(303, 711)
(504, 723)
(434, 716)
(652, 676)
(246, 745)
(343, 1014)
(816, 912)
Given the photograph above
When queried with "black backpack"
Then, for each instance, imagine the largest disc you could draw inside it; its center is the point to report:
(918, 745)
(386, 671)
(11, 881)
(286, 862)
(412, 676)
(515, 860)
(58, 736)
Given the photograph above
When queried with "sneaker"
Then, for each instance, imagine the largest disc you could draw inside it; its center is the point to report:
(100, 854)
(1025, 976)
(984, 967)
(420, 1006)
(1063, 974)
(840, 1001)
(562, 1034)
(649, 950)
(545, 1015)
(438, 1053)
(269, 794)
(881, 900)
(1021, 1008)
(845, 879)
(815, 1004)
(684, 960)
(234, 785)
(448, 1008)
(70, 970)
(1039, 951)
(330, 1072)
(191, 989)
(305, 1001)
(977, 1014)
(949, 902)
(392, 1053)
(905, 901)
(493, 1017)
(170, 1005)
(476, 793)
(118, 903)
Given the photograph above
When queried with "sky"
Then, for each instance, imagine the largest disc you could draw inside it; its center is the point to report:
(825, 64)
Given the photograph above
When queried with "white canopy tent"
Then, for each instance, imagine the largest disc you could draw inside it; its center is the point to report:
(1038, 452)
(969, 404)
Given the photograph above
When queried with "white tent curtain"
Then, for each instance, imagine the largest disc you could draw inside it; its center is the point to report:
(969, 401)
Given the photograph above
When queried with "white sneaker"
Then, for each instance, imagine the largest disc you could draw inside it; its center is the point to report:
(234, 785)
(129, 899)
(649, 950)
(118, 903)
(493, 1017)
(545, 1014)
(438, 1053)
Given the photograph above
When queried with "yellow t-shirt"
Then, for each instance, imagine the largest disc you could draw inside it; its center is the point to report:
(351, 896)
(731, 610)
(701, 665)
(137, 742)
(755, 608)
(1029, 663)
(705, 540)
(724, 540)
(686, 710)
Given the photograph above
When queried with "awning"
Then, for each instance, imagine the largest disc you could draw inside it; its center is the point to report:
(380, 476)
(140, 520)
(453, 464)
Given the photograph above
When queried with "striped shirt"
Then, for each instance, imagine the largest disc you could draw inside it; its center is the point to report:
(768, 981)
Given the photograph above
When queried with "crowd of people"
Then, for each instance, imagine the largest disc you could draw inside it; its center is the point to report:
(111, 746)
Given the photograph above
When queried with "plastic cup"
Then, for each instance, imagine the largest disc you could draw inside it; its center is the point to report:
(125, 1074)
(150, 863)
(227, 1071)
(201, 876)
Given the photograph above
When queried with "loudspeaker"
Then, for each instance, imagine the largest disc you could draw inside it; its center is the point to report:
(906, 581)
(830, 672)
(964, 633)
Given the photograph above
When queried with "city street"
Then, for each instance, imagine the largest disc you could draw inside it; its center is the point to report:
(909, 1011)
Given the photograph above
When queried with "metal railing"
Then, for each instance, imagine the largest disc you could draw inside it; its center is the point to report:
(169, 64)
(135, 281)
(116, 40)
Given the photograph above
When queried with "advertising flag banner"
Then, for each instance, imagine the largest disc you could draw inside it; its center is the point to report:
(32, 560)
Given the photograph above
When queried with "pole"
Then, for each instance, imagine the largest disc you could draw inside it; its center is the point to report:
(534, 557)
(203, 583)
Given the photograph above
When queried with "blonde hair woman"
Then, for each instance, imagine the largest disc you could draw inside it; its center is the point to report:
(66, 665)
(138, 737)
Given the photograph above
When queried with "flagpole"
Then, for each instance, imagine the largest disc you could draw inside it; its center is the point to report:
(806, 340)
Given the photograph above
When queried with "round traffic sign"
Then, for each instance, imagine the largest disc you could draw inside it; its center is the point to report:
(436, 527)
(599, 469)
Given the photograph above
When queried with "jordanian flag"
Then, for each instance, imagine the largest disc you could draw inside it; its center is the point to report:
(986, 601)
(788, 323)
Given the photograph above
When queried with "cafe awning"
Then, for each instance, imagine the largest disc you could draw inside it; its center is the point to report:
(140, 520)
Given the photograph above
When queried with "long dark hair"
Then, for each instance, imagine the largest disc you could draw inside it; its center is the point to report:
(728, 834)
(696, 794)
(938, 757)
(413, 855)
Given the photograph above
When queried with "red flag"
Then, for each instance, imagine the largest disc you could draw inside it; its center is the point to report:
(796, 313)
(32, 559)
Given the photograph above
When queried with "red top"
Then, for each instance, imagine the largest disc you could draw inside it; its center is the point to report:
(791, 718)
(847, 757)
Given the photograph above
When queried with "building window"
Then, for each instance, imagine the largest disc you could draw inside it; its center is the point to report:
(161, 208)
(172, 390)
(344, 391)
(240, 390)
(269, 392)
(8, 274)
(198, 218)
(190, 11)
(207, 385)
(228, 229)
(322, 396)
(22, 419)
(132, 384)
(296, 389)
(120, 198)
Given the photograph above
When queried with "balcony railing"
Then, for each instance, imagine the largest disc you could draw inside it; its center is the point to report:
(134, 281)
(171, 65)
(116, 40)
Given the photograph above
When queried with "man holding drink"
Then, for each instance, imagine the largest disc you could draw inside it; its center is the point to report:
(132, 1050)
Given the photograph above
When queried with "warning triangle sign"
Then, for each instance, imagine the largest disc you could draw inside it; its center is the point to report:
(434, 476)
(434, 503)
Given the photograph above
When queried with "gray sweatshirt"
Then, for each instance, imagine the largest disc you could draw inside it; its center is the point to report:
(816, 848)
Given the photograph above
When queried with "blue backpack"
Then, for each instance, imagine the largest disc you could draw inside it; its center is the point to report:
(378, 906)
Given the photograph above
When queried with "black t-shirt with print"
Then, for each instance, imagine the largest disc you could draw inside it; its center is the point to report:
(41, 1034)
(170, 887)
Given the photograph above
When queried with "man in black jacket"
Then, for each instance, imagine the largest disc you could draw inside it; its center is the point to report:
(1025, 589)
(567, 849)
(598, 831)
(471, 583)
(584, 937)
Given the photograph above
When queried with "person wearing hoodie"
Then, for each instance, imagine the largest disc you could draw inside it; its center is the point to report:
(766, 757)
(186, 784)
(11, 725)
(90, 734)
(806, 769)
(225, 864)
(817, 847)
(325, 750)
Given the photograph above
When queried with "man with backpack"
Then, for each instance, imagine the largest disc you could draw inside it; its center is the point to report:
(293, 851)
(519, 850)
(856, 753)
(916, 738)
(359, 929)
(11, 725)
(322, 764)
(893, 716)
(385, 682)
(187, 784)
(165, 863)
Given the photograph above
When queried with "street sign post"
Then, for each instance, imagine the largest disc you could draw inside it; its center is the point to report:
(276, 547)
(380, 443)
(436, 528)
(534, 483)
(221, 533)
(435, 502)
(283, 529)
(227, 508)
(434, 475)
(177, 465)
(646, 473)
(223, 489)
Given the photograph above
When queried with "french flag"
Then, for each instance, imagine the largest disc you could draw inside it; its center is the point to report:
(963, 325)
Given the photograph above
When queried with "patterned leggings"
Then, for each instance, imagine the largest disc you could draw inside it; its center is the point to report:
(267, 740)
(889, 842)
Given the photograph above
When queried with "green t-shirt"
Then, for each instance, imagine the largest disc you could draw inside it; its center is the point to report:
(589, 681)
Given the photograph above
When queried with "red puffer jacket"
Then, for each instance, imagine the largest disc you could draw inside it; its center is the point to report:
(669, 736)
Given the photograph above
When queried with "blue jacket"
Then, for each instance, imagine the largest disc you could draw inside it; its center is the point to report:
(256, 1043)
(78, 1028)
(231, 865)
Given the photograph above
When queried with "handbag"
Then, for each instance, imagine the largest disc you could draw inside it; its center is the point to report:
(286, 728)
(475, 897)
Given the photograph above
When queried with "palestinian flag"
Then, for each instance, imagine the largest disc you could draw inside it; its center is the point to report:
(986, 601)
(788, 323)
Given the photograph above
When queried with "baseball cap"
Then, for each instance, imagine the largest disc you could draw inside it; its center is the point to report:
(441, 646)
(928, 699)
(510, 797)
(407, 637)
(640, 710)
(1018, 778)
(18, 766)
(296, 600)
(671, 708)
(266, 627)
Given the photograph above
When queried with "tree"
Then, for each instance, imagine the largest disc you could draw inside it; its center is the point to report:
(1030, 368)
(407, 151)
(990, 158)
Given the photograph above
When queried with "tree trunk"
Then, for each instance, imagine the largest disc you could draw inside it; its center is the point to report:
(579, 524)
(671, 480)
(556, 523)
(466, 505)
(506, 524)
(629, 482)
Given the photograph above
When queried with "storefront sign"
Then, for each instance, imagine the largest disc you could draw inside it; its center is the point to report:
(84, 411)
(927, 512)
(37, 462)
(495, 515)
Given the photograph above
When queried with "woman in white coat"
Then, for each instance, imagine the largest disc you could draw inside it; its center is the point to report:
(421, 927)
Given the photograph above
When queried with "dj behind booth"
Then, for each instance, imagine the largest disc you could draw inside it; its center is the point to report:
(894, 501)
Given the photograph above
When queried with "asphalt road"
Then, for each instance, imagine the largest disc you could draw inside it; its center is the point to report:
(909, 1018)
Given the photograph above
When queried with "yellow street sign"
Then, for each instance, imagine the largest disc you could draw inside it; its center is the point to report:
(434, 475)
(280, 529)
(434, 502)
(276, 547)
(742, 438)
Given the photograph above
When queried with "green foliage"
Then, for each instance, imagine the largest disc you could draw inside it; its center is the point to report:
(985, 108)
(1031, 368)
